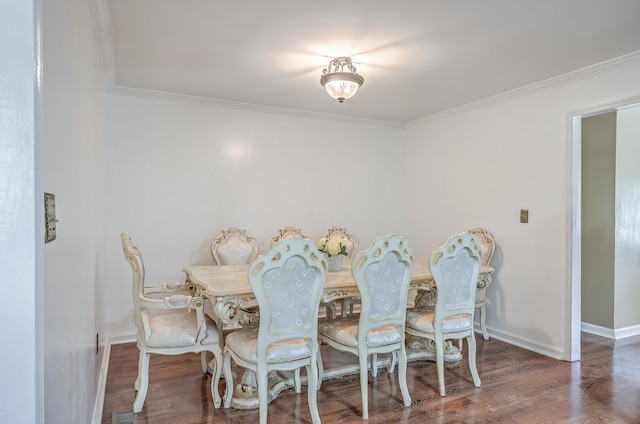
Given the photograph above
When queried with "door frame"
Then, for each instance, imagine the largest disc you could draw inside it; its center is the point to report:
(574, 214)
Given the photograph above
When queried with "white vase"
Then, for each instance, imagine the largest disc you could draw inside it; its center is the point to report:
(335, 262)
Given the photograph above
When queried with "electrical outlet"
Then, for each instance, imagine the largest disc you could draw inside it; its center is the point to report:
(524, 216)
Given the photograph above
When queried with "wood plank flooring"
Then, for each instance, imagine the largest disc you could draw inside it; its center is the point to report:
(518, 386)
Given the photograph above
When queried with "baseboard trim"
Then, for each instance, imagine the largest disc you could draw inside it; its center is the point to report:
(611, 333)
(127, 338)
(102, 384)
(623, 333)
(597, 330)
(542, 349)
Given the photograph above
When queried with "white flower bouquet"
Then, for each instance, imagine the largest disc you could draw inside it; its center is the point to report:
(334, 246)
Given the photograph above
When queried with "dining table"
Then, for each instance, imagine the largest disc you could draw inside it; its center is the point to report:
(235, 306)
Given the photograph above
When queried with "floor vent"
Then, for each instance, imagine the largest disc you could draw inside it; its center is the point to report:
(124, 417)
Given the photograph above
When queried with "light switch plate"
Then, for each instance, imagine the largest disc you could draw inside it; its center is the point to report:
(49, 217)
(524, 216)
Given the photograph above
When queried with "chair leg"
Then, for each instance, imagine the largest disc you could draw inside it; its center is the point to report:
(215, 378)
(331, 312)
(440, 364)
(393, 361)
(262, 376)
(483, 322)
(374, 364)
(343, 310)
(203, 360)
(296, 380)
(347, 307)
(471, 343)
(402, 376)
(142, 382)
(228, 376)
(136, 385)
(320, 365)
(364, 385)
(312, 395)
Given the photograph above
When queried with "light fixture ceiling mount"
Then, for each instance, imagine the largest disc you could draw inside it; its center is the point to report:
(341, 84)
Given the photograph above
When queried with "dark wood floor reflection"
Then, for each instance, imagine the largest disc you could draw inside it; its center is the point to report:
(518, 386)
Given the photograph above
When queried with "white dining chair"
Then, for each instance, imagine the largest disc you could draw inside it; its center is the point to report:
(382, 274)
(454, 268)
(234, 246)
(287, 233)
(487, 246)
(287, 283)
(176, 331)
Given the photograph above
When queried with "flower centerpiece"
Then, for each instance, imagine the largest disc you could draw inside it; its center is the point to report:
(334, 247)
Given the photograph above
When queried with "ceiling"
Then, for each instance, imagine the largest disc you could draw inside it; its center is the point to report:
(418, 57)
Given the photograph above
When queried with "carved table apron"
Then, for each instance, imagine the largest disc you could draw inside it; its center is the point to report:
(227, 286)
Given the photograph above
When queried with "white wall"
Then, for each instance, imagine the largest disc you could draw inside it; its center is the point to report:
(179, 172)
(627, 243)
(479, 166)
(73, 170)
(20, 278)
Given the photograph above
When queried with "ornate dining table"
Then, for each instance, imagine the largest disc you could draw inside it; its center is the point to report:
(234, 306)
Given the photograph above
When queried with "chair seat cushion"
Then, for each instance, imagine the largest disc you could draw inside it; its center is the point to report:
(421, 319)
(245, 344)
(179, 330)
(345, 332)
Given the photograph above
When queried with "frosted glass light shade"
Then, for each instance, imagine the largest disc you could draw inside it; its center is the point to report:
(339, 84)
(341, 88)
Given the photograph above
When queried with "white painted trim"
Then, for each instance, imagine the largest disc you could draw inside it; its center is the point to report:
(611, 333)
(623, 333)
(574, 212)
(597, 330)
(528, 344)
(102, 29)
(98, 408)
(127, 338)
(573, 238)
(38, 161)
(164, 95)
(586, 72)
(582, 73)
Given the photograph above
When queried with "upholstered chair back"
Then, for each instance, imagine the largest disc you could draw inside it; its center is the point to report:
(288, 282)
(455, 268)
(383, 273)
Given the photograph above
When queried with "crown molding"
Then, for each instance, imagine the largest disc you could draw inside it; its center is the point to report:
(583, 73)
(102, 30)
(139, 92)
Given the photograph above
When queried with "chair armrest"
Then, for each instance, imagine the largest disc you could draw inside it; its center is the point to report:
(171, 287)
(176, 301)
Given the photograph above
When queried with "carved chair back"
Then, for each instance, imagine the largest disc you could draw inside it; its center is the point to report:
(287, 233)
(234, 246)
(487, 245)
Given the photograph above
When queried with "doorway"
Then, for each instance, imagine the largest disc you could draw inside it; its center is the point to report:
(575, 215)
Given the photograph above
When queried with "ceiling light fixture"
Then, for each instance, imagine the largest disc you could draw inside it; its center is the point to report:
(340, 84)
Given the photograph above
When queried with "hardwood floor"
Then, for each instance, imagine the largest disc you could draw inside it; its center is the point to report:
(518, 386)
